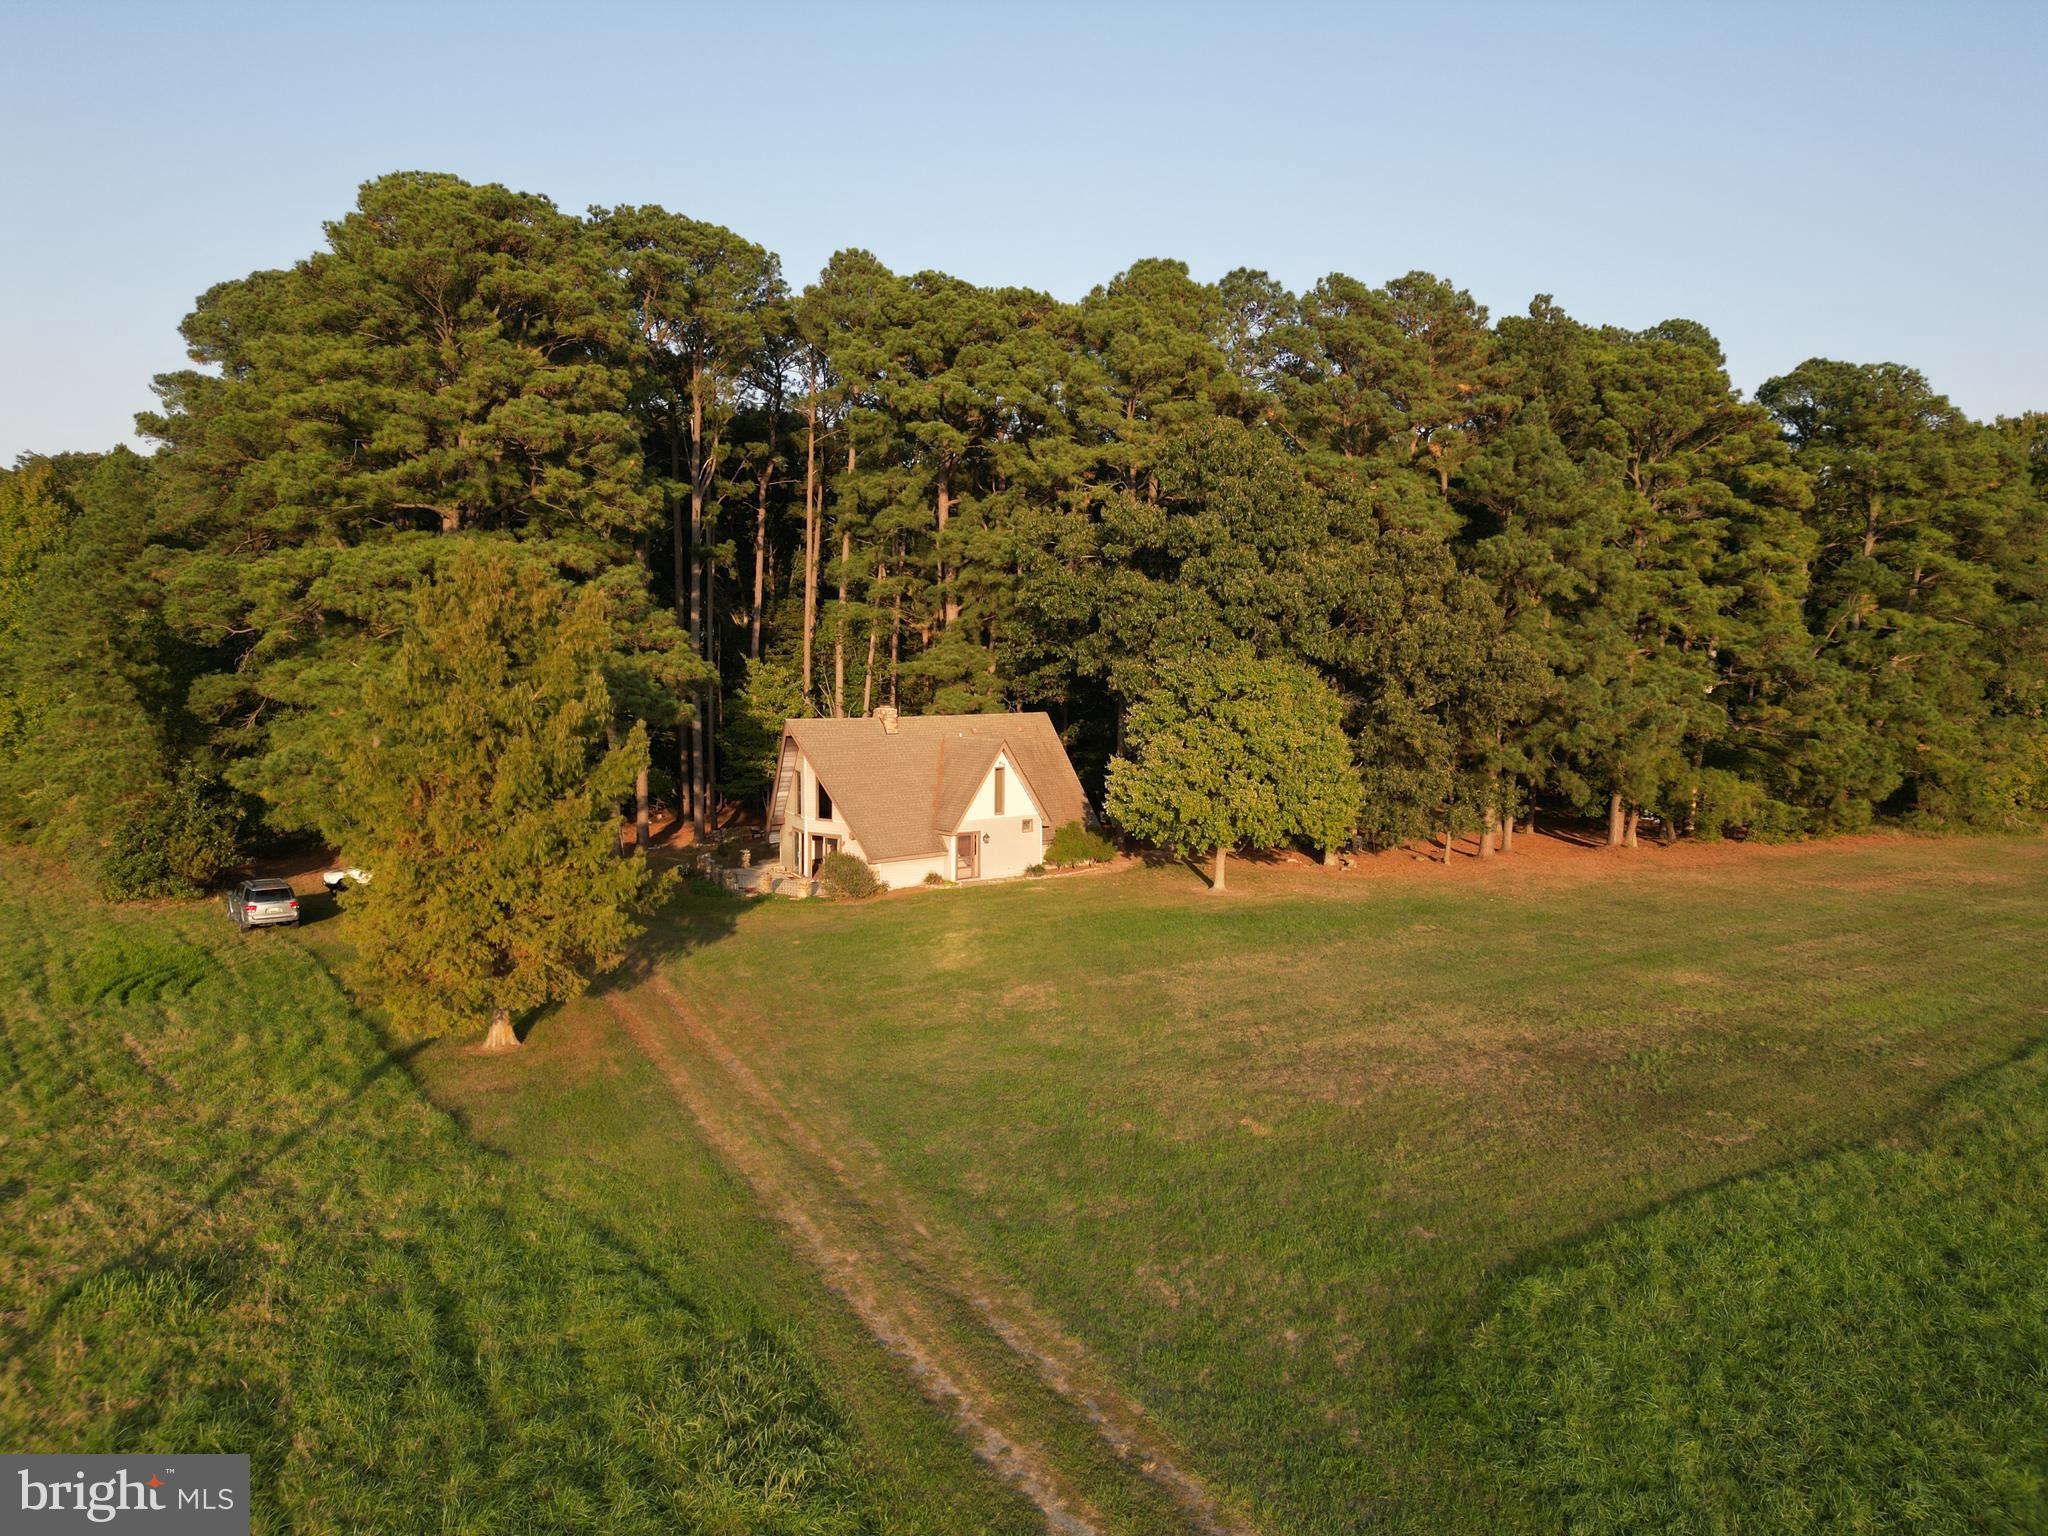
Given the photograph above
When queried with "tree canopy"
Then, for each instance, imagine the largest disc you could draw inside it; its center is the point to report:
(1532, 559)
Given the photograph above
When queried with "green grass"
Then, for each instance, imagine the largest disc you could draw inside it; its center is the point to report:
(1318, 1167)
(233, 1223)
(1858, 1343)
(1702, 1192)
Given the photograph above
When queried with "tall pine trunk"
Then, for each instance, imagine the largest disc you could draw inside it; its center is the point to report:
(680, 537)
(895, 642)
(1487, 827)
(761, 532)
(1628, 835)
(811, 498)
(949, 605)
(839, 626)
(642, 831)
(714, 645)
(1507, 833)
(839, 618)
(700, 725)
(1615, 827)
(867, 681)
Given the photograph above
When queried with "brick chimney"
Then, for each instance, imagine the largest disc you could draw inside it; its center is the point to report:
(887, 715)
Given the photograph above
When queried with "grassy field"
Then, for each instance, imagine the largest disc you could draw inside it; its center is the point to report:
(1420, 1203)
(1693, 1191)
(232, 1222)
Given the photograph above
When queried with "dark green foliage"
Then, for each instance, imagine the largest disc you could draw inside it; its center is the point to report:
(1075, 844)
(101, 759)
(750, 735)
(176, 840)
(848, 876)
(1929, 578)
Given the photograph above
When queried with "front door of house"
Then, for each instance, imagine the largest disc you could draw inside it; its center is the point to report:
(967, 856)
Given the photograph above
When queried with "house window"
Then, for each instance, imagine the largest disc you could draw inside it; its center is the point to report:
(999, 789)
(824, 803)
(1028, 823)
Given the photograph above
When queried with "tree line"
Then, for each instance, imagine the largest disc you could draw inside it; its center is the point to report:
(1532, 559)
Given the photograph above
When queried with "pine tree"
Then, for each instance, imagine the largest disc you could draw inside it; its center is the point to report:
(485, 802)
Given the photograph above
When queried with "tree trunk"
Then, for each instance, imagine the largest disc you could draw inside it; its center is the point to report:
(810, 538)
(641, 827)
(1507, 833)
(1489, 825)
(839, 626)
(714, 643)
(867, 680)
(1216, 880)
(1447, 847)
(699, 726)
(1628, 835)
(895, 647)
(761, 548)
(501, 1036)
(949, 603)
(1614, 820)
(680, 537)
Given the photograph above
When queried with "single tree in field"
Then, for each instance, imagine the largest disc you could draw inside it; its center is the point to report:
(1234, 749)
(486, 802)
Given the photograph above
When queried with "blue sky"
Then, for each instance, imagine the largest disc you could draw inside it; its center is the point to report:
(1858, 181)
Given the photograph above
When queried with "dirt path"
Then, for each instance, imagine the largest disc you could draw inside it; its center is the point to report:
(826, 1198)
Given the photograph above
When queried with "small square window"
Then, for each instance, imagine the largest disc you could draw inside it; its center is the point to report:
(1029, 823)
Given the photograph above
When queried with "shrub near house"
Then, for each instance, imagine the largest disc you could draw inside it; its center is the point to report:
(1075, 845)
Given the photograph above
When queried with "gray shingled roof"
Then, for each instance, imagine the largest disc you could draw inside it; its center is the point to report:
(901, 794)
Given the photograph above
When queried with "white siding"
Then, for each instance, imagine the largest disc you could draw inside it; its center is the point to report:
(1008, 846)
(899, 874)
(803, 822)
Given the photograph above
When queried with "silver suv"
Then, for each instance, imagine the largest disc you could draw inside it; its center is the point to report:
(262, 903)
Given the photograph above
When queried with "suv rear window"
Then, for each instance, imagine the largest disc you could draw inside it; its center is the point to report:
(270, 890)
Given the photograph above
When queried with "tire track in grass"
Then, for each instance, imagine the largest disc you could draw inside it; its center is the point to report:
(894, 1318)
(1061, 1362)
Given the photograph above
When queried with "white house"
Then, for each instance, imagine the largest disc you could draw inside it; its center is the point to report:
(964, 797)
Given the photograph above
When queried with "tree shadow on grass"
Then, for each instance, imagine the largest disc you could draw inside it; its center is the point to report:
(144, 1257)
(693, 917)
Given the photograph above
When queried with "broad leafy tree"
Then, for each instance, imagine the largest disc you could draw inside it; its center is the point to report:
(1231, 750)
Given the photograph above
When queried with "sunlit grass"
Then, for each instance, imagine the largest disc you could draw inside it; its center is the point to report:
(232, 1223)
(1280, 1156)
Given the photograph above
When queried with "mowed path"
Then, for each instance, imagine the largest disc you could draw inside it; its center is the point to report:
(958, 1330)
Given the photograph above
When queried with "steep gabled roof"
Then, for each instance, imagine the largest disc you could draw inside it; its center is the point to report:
(901, 792)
